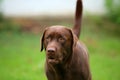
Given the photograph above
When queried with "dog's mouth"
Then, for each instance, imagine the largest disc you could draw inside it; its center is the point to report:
(52, 60)
(51, 57)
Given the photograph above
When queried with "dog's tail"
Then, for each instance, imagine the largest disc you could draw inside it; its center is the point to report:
(78, 18)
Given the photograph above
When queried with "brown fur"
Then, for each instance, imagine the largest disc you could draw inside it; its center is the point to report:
(66, 56)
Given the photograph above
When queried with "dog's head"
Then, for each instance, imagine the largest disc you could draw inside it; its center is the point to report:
(58, 42)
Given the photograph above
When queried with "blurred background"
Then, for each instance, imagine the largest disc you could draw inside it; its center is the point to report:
(22, 23)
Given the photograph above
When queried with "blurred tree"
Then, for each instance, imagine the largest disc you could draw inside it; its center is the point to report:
(113, 10)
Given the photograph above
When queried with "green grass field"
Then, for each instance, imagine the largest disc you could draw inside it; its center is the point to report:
(21, 59)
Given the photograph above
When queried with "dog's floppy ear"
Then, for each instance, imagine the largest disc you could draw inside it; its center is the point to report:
(73, 42)
(42, 40)
(73, 38)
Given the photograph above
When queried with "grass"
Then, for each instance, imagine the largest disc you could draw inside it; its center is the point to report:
(104, 58)
(21, 59)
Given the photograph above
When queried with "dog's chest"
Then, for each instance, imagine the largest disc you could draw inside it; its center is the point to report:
(66, 74)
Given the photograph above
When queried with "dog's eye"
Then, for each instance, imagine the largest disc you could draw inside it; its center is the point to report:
(48, 39)
(61, 39)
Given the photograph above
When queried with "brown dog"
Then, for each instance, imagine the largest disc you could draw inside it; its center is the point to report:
(66, 57)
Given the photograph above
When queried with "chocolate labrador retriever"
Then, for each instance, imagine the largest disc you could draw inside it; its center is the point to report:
(66, 56)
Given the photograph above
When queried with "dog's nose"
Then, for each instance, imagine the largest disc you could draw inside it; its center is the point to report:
(51, 50)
